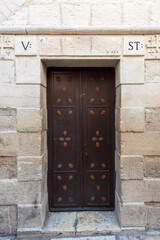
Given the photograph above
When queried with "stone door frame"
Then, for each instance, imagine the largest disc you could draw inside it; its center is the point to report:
(86, 62)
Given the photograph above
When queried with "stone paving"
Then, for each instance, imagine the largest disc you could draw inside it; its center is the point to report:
(148, 236)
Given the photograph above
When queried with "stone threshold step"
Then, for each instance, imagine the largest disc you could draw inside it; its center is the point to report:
(86, 223)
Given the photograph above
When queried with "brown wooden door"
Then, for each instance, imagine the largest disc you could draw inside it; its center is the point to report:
(81, 138)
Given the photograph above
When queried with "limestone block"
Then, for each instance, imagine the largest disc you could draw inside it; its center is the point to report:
(132, 119)
(133, 191)
(29, 216)
(49, 45)
(118, 73)
(153, 217)
(44, 142)
(8, 167)
(44, 208)
(155, 11)
(7, 72)
(118, 141)
(152, 166)
(134, 45)
(29, 168)
(43, 100)
(4, 220)
(152, 190)
(133, 70)
(44, 14)
(7, 119)
(29, 144)
(28, 70)
(14, 192)
(129, 16)
(8, 144)
(13, 219)
(43, 69)
(76, 14)
(25, 45)
(19, 18)
(147, 190)
(131, 167)
(152, 71)
(78, 45)
(44, 119)
(29, 120)
(25, 96)
(118, 96)
(133, 215)
(141, 95)
(117, 119)
(153, 119)
(140, 143)
(106, 45)
(106, 14)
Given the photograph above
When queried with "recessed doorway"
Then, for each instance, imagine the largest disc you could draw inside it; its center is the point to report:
(81, 105)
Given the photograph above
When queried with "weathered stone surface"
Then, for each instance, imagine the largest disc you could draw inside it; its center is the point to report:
(133, 70)
(43, 94)
(55, 224)
(141, 95)
(49, 45)
(152, 71)
(44, 14)
(25, 96)
(153, 217)
(8, 144)
(106, 45)
(29, 144)
(147, 190)
(4, 220)
(94, 223)
(140, 143)
(25, 45)
(133, 215)
(13, 219)
(28, 70)
(29, 120)
(152, 166)
(118, 96)
(76, 13)
(7, 72)
(131, 167)
(118, 141)
(117, 119)
(129, 16)
(7, 119)
(20, 192)
(29, 216)
(78, 45)
(132, 120)
(29, 168)
(106, 14)
(19, 18)
(153, 119)
(118, 73)
(8, 167)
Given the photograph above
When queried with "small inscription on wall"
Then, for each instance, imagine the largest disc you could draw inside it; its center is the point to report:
(134, 46)
(25, 45)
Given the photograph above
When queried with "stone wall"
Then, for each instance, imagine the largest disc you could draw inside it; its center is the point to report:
(79, 13)
(23, 125)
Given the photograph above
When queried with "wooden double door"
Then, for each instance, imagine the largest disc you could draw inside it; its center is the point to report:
(81, 138)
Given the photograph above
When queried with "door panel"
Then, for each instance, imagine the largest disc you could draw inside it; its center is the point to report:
(81, 138)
